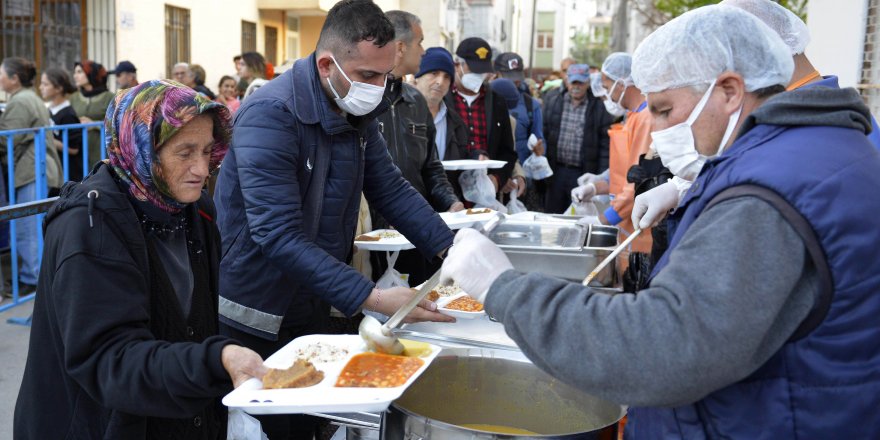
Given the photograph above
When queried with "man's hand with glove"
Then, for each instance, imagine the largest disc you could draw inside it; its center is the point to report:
(587, 178)
(583, 193)
(652, 206)
(474, 262)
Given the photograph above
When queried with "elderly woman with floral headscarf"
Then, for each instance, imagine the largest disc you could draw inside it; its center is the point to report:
(91, 101)
(124, 341)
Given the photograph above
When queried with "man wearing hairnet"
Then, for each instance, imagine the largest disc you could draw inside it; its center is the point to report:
(627, 142)
(651, 207)
(760, 320)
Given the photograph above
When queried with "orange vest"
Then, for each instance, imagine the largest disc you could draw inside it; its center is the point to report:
(627, 143)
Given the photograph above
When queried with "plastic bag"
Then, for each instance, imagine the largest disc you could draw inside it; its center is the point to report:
(587, 210)
(242, 426)
(514, 206)
(537, 167)
(478, 188)
(391, 277)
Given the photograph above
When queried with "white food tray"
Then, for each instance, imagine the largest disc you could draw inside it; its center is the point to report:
(471, 164)
(399, 243)
(461, 219)
(324, 397)
(456, 220)
(457, 314)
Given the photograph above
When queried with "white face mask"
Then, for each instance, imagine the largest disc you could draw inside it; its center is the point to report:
(614, 108)
(472, 81)
(677, 147)
(596, 85)
(362, 98)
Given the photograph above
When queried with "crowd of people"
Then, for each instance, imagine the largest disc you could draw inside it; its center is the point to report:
(752, 272)
(82, 97)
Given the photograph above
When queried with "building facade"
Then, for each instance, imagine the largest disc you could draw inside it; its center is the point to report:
(155, 35)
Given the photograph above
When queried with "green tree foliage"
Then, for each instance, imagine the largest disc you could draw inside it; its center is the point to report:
(590, 49)
(674, 8)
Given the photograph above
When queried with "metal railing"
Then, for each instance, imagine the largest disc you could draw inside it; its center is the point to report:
(35, 209)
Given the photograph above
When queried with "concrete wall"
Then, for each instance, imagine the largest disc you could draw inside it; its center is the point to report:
(309, 31)
(274, 18)
(837, 31)
(215, 35)
(433, 16)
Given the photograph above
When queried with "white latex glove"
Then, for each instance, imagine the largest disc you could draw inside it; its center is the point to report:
(474, 262)
(651, 207)
(592, 178)
(583, 193)
(587, 178)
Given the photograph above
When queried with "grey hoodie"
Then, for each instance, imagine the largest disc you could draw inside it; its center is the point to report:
(736, 288)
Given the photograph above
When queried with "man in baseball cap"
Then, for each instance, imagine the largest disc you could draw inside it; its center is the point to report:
(477, 53)
(576, 129)
(126, 75)
(483, 110)
(509, 65)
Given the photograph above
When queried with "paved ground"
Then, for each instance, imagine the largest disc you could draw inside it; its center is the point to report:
(13, 353)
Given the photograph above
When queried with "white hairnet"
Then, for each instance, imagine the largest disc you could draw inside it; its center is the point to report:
(618, 67)
(699, 45)
(790, 27)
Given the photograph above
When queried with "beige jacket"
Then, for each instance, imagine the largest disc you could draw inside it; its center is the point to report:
(26, 110)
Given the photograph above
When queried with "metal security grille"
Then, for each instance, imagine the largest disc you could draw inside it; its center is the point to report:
(870, 83)
(177, 41)
(271, 51)
(248, 36)
(49, 32)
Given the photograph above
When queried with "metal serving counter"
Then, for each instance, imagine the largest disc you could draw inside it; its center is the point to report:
(550, 244)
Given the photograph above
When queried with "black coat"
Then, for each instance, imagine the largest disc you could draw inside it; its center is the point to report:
(67, 116)
(456, 147)
(499, 139)
(594, 149)
(95, 367)
(409, 132)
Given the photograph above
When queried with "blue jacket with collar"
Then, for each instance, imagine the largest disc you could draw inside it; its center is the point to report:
(287, 205)
(806, 155)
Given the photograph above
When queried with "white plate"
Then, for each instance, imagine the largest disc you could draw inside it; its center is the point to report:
(324, 397)
(399, 243)
(454, 220)
(471, 164)
(475, 218)
(457, 314)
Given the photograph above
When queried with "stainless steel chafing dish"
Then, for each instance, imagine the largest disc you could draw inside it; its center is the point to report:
(558, 246)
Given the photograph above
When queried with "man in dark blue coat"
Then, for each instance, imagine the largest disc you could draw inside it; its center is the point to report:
(304, 148)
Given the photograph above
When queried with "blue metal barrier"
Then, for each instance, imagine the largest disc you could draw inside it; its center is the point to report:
(35, 210)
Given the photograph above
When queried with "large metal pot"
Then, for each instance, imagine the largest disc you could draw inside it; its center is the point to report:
(488, 387)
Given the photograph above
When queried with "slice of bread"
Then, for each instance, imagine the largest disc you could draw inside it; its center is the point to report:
(365, 237)
(301, 374)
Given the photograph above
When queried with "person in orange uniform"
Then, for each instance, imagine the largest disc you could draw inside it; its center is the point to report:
(627, 142)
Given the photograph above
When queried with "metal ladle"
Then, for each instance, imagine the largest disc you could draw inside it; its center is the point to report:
(380, 337)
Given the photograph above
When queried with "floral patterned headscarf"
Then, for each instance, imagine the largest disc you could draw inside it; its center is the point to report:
(138, 123)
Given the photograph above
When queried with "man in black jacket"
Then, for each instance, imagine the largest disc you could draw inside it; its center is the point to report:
(433, 80)
(408, 129)
(483, 111)
(576, 130)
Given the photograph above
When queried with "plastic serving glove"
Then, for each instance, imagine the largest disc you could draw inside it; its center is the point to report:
(474, 262)
(651, 207)
(583, 193)
(587, 178)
